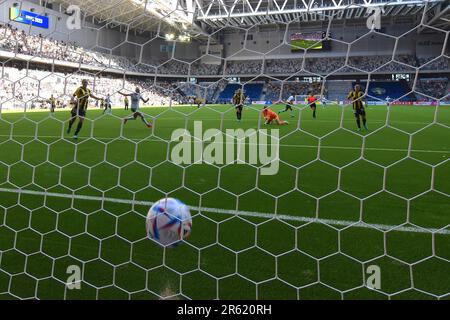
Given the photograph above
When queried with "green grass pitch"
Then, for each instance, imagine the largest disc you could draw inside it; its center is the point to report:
(82, 204)
(306, 44)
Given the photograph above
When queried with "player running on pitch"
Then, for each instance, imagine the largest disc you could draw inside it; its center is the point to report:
(238, 101)
(107, 104)
(271, 116)
(388, 101)
(198, 102)
(312, 103)
(81, 101)
(357, 96)
(289, 103)
(136, 98)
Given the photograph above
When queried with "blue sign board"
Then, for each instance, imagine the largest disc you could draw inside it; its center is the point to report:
(28, 17)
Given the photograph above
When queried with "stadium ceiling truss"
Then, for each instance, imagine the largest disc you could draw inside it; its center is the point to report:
(201, 17)
(141, 15)
(238, 13)
(440, 16)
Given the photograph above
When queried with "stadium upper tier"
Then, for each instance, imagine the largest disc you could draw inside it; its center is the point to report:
(18, 42)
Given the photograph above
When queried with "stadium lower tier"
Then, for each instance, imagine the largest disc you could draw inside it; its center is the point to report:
(21, 88)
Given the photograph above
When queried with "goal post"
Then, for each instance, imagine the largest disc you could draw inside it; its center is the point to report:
(301, 99)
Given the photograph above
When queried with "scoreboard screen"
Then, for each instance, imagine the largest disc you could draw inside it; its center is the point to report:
(310, 41)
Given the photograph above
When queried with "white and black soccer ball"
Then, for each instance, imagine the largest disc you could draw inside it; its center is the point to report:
(168, 222)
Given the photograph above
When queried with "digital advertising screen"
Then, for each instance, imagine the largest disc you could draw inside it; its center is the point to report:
(27, 17)
(311, 41)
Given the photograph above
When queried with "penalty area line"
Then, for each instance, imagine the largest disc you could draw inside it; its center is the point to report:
(269, 216)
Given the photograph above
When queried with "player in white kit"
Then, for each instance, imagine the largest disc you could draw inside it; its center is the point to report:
(107, 104)
(136, 98)
(289, 103)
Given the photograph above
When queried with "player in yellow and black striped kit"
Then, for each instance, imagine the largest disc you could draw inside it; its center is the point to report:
(357, 96)
(52, 101)
(81, 96)
(238, 101)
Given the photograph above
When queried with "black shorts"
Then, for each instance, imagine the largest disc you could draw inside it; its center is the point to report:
(288, 107)
(313, 106)
(360, 112)
(78, 112)
(239, 107)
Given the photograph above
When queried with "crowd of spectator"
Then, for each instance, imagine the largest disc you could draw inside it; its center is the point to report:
(244, 67)
(35, 87)
(202, 90)
(433, 88)
(337, 64)
(31, 85)
(353, 64)
(279, 90)
(19, 88)
(14, 40)
(433, 63)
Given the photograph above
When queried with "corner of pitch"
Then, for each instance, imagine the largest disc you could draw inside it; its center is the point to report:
(260, 148)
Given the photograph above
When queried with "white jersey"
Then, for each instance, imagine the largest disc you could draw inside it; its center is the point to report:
(290, 100)
(135, 100)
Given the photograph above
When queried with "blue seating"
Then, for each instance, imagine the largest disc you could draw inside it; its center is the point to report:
(227, 94)
(380, 90)
(253, 91)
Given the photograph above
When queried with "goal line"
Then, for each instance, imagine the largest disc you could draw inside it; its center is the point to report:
(269, 216)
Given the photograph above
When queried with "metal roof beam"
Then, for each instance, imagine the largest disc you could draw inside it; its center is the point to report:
(280, 7)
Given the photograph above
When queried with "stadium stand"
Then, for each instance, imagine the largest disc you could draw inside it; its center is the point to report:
(34, 87)
(253, 91)
(380, 90)
(433, 88)
(282, 90)
(203, 90)
(13, 40)
(337, 89)
(228, 92)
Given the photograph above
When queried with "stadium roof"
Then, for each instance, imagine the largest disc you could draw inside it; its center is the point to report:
(201, 17)
(219, 13)
(142, 15)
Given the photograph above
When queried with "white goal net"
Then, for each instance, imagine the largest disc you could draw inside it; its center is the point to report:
(357, 209)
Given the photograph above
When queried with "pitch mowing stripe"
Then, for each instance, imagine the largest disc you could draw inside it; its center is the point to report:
(245, 143)
(269, 216)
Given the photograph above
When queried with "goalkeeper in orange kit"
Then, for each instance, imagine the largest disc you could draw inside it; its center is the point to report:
(272, 116)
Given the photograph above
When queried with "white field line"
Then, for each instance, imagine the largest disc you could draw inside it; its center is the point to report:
(269, 216)
(245, 143)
